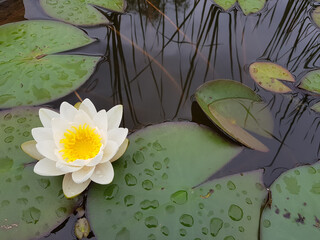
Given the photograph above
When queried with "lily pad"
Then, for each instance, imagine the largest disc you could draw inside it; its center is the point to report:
(316, 107)
(153, 194)
(311, 82)
(29, 74)
(294, 212)
(247, 6)
(316, 16)
(30, 205)
(81, 12)
(233, 106)
(269, 76)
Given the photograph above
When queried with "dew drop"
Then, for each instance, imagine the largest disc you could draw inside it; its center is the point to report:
(201, 205)
(235, 212)
(151, 222)
(138, 216)
(231, 185)
(138, 157)
(165, 230)
(266, 223)
(25, 188)
(186, 220)
(204, 231)
(22, 201)
(241, 229)
(111, 191)
(157, 146)
(147, 185)
(31, 215)
(146, 204)
(229, 238)
(215, 226)
(149, 172)
(170, 209)
(7, 117)
(61, 212)
(130, 179)
(182, 232)
(164, 176)
(179, 197)
(21, 120)
(9, 139)
(157, 165)
(248, 201)
(9, 129)
(129, 200)
(152, 237)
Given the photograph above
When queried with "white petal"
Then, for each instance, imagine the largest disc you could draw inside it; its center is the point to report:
(103, 174)
(46, 116)
(59, 128)
(109, 151)
(121, 150)
(83, 174)
(67, 111)
(97, 159)
(41, 134)
(101, 119)
(47, 149)
(118, 135)
(114, 117)
(88, 107)
(82, 118)
(72, 189)
(67, 168)
(46, 167)
(29, 148)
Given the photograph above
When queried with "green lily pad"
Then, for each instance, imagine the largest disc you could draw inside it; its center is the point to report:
(247, 6)
(225, 4)
(251, 6)
(29, 74)
(294, 212)
(311, 82)
(81, 12)
(153, 194)
(316, 15)
(233, 106)
(269, 76)
(316, 107)
(30, 205)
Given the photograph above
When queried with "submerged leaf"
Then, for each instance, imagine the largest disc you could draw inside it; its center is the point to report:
(231, 105)
(311, 82)
(30, 205)
(267, 75)
(152, 195)
(29, 74)
(316, 16)
(294, 213)
(81, 12)
(235, 114)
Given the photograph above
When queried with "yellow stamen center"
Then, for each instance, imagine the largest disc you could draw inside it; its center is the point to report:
(80, 142)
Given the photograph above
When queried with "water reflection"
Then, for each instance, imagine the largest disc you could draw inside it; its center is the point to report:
(159, 52)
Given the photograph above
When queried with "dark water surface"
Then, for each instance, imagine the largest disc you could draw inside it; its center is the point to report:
(156, 55)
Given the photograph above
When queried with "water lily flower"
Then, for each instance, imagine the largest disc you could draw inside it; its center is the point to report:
(78, 143)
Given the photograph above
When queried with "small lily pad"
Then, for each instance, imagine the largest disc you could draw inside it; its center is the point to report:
(269, 76)
(311, 82)
(81, 12)
(316, 107)
(316, 16)
(247, 6)
(233, 106)
(153, 194)
(225, 4)
(29, 73)
(294, 212)
(30, 205)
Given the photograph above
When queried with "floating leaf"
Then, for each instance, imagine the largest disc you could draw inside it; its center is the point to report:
(82, 228)
(247, 6)
(316, 107)
(152, 195)
(316, 15)
(28, 74)
(225, 4)
(231, 105)
(311, 82)
(251, 6)
(30, 205)
(267, 75)
(81, 12)
(294, 213)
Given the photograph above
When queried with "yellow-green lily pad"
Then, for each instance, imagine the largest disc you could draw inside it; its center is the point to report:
(316, 16)
(247, 6)
(269, 76)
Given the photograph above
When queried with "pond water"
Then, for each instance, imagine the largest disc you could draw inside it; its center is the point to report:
(158, 53)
